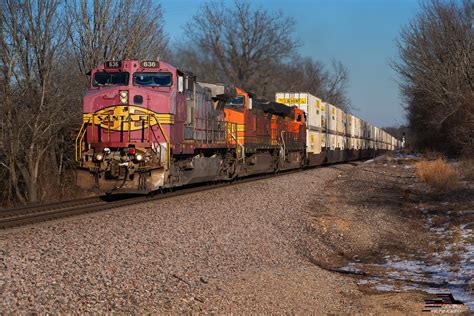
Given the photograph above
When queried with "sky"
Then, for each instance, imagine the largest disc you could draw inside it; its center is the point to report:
(359, 33)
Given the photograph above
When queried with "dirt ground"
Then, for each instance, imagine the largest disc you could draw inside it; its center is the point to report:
(361, 216)
(307, 242)
(379, 211)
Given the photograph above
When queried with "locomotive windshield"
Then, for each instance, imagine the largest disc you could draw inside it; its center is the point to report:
(236, 103)
(152, 79)
(110, 79)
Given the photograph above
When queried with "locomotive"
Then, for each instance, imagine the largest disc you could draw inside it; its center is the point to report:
(148, 125)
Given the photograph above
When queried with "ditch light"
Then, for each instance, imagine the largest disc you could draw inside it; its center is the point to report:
(123, 95)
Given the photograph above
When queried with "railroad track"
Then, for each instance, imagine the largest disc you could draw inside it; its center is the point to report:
(34, 214)
(27, 215)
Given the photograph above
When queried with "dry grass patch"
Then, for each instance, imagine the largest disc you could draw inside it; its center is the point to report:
(438, 174)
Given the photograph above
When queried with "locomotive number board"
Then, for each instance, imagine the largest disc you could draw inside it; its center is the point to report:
(150, 64)
(113, 64)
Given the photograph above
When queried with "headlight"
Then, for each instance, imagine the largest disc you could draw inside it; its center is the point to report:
(99, 157)
(139, 157)
(123, 94)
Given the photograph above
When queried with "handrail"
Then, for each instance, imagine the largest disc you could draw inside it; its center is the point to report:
(168, 144)
(209, 131)
(284, 144)
(242, 151)
(79, 138)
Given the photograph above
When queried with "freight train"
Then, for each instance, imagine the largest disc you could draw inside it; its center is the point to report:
(148, 125)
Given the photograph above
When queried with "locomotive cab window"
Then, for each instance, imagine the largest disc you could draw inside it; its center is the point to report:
(236, 103)
(102, 79)
(298, 117)
(153, 79)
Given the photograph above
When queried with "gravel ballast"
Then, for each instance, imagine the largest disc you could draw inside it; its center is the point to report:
(242, 248)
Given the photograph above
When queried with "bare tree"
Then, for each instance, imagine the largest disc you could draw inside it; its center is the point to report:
(304, 74)
(106, 29)
(29, 43)
(241, 42)
(437, 74)
(336, 85)
(299, 74)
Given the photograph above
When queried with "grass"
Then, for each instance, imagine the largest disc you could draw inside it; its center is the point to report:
(438, 174)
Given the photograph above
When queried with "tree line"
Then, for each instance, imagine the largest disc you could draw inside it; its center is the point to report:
(436, 68)
(48, 46)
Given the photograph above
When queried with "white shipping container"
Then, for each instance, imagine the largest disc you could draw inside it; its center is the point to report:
(313, 108)
(307, 102)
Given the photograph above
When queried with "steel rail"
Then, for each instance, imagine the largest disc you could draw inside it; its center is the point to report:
(12, 218)
(32, 208)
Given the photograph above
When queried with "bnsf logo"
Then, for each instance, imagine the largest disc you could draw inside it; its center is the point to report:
(116, 118)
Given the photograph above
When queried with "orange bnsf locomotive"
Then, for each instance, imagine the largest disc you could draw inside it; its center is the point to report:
(148, 125)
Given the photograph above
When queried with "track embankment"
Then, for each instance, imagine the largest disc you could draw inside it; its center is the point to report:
(274, 245)
(38, 213)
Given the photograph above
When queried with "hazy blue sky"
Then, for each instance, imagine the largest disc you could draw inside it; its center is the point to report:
(360, 33)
